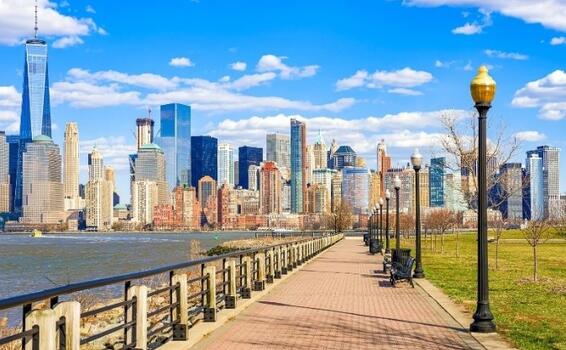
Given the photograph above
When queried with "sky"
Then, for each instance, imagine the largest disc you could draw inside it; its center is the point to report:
(358, 71)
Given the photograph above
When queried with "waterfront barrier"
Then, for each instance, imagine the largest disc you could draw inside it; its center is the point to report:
(152, 314)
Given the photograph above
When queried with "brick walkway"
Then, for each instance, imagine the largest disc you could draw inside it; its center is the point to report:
(340, 301)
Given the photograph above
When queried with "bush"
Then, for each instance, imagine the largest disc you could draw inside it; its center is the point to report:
(219, 250)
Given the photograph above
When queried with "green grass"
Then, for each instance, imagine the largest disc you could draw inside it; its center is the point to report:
(529, 315)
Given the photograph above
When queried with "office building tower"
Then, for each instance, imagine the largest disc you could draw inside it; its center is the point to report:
(437, 182)
(99, 205)
(42, 185)
(175, 141)
(406, 191)
(150, 166)
(331, 151)
(270, 188)
(286, 196)
(36, 111)
(374, 188)
(355, 188)
(343, 157)
(453, 194)
(535, 173)
(227, 207)
(424, 186)
(207, 198)
(187, 207)
(236, 173)
(323, 177)
(110, 175)
(14, 149)
(71, 166)
(551, 173)
(336, 195)
(226, 164)
(248, 156)
(510, 190)
(309, 164)
(144, 131)
(320, 153)
(278, 150)
(383, 163)
(204, 158)
(4, 174)
(298, 164)
(253, 177)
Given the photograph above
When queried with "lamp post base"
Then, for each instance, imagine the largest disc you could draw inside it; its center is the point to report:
(483, 320)
(418, 274)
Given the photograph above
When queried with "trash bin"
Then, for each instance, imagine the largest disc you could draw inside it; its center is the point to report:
(373, 246)
(401, 256)
(366, 239)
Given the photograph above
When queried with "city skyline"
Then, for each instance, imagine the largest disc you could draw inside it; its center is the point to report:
(302, 79)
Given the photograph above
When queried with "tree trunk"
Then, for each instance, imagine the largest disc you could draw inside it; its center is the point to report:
(442, 242)
(434, 244)
(497, 253)
(457, 243)
(535, 261)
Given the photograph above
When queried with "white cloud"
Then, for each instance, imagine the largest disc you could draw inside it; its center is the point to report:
(67, 41)
(468, 67)
(468, 29)
(548, 94)
(85, 89)
(114, 150)
(530, 136)
(239, 66)
(560, 40)
(399, 81)
(443, 64)
(405, 91)
(89, 9)
(549, 13)
(9, 97)
(181, 62)
(16, 16)
(272, 63)
(506, 55)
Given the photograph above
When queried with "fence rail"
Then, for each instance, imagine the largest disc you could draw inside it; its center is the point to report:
(150, 318)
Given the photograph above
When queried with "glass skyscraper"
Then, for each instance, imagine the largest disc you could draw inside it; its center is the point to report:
(437, 175)
(247, 156)
(298, 163)
(355, 188)
(536, 185)
(36, 112)
(175, 141)
(225, 164)
(204, 158)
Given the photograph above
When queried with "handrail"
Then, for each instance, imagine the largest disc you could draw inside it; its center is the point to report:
(14, 301)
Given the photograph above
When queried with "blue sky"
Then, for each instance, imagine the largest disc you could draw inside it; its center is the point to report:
(357, 70)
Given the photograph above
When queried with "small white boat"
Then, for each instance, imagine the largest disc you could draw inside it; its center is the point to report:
(36, 233)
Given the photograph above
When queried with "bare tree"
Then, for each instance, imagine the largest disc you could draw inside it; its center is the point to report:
(440, 221)
(460, 143)
(342, 218)
(498, 226)
(536, 233)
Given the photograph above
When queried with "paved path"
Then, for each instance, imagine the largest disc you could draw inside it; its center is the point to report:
(340, 301)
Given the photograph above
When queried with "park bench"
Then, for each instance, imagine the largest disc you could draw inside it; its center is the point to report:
(387, 260)
(402, 272)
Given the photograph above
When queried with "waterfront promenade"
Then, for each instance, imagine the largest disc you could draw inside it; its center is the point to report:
(342, 300)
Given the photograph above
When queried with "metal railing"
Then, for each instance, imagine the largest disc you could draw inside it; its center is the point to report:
(195, 292)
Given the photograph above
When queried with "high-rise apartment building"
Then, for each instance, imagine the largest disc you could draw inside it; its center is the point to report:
(535, 175)
(551, 179)
(4, 174)
(42, 182)
(145, 196)
(510, 186)
(278, 149)
(99, 204)
(71, 166)
(150, 166)
(226, 164)
(247, 156)
(320, 153)
(355, 188)
(207, 198)
(187, 207)
(336, 195)
(14, 157)
(407, 177)
(144, 131)
(253, 177)
(323, 177)
(36, 111)
(204, 158)
(298, 164)
(383, 163)
(175, 141)
(270, 188)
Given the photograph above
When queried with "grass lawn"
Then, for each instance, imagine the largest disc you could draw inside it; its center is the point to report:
(529, 315)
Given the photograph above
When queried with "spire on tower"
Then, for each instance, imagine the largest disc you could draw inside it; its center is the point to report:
(35, 27)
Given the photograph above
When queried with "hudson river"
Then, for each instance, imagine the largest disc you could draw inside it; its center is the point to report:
(33, 264)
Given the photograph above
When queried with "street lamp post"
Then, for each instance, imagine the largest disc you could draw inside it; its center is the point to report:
(482, 89)
(380, 223)
(373, 244)
(387, 198)
(397, 184)
(416, 161)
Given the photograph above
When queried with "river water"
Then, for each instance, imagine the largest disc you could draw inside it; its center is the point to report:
(33, 264)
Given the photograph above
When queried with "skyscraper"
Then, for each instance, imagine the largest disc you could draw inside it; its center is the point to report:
(98, 194)
(225, 164)
(270, 188)
(36, 112)
(278, 150)
(343, 157)
(550, 157)
(204, 158)
(511, 189)
(298, 164)
(175, 141)
(383, 163)
(14, 149)
(253, 177)
(4, 174)
(320, 153)
(150, 166)
(144, 131)
(71, 172)
(207, 198)
(355, 188)
(436, 182)
(42, 185)
(247, 156)
(534, 169)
